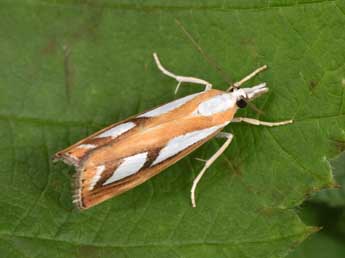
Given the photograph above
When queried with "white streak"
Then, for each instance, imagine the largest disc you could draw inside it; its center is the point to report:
(182, 142)
(117, 130)
(129, 166)
(97, 176)
(169, 107)
(216, 104)
(86, 146)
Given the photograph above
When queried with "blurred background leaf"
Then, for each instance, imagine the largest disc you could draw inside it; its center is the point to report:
(327, 210)
(71, 67)
(320, 245)
(335, 197)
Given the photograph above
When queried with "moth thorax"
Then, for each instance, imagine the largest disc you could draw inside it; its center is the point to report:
(216, 104)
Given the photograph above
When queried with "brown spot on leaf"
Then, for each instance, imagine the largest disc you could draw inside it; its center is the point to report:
(84, 27)
(235, 165)
(339, 145)
(267, 211)
(50, 47)
(248, 41)
(312, 85)
(86, 251)
(89, 26)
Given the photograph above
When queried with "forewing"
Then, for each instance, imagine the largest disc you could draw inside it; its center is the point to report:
(128, 153)
(101, 182)
(74, 154)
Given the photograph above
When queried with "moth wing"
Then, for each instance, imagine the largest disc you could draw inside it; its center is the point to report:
(74, 154)
(96, 184)
(126, 154)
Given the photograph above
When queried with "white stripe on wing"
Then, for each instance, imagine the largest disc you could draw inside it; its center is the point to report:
(169, 107)
(182, 142)
(129, 166)
(117, 130)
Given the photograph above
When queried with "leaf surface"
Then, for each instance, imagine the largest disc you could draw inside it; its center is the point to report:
(335, 197)
(320, 245)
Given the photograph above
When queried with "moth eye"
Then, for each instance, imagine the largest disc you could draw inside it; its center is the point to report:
(241, 103)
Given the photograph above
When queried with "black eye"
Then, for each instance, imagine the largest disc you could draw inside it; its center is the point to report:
(241, 103)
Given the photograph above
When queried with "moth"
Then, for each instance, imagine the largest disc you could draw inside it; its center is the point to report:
(126, 154)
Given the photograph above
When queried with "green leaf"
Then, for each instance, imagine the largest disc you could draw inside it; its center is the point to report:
(319, 246)
(335, 197)
(341, 223)
(329, 242)
(68, 68)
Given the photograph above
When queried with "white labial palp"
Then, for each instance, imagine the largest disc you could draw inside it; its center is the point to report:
(129, 166)
(117, 130)
(182, 142)
(169, 107)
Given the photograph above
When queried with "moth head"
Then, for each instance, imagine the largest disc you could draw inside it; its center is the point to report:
(245, 95)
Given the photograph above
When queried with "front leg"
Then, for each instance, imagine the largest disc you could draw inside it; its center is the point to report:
(258, 122)
(180, 78)
(209, 162)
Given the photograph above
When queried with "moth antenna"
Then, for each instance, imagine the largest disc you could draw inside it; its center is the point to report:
(256, 109)
(210, 60)
(220, 71)
(238, 84)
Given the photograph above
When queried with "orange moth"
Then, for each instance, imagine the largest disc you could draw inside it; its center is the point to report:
(126, 154)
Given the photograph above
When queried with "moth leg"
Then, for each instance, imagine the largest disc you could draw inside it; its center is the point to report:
(209, 162)
(247, 78)
(179, 78)
(258, 122)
